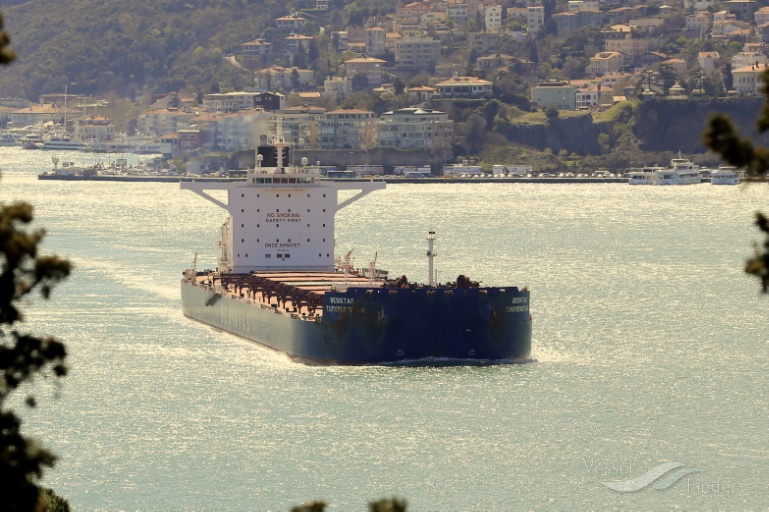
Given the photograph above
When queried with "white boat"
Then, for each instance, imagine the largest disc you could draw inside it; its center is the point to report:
(8, 139)
(725, 175)
(642, 176)
(680, 172)
(62, 143)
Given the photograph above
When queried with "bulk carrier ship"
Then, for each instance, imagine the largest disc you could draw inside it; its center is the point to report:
(279, 284)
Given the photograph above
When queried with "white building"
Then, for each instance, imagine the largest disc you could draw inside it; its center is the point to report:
(535, 20)
(560, 95)
(416, 128)
(748, 80)
(493, 18)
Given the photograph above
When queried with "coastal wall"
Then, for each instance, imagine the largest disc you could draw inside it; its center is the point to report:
(389, 158)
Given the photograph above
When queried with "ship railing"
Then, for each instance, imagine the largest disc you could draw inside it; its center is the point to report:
(342, 287)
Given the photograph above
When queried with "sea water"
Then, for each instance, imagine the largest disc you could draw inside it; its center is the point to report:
(651, 347)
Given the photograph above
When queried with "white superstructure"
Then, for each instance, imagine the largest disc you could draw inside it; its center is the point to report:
(281, 218)
(680, 172)
(642, 176)
(725, 175)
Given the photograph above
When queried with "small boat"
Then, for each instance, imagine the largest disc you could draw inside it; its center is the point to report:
(8, 139)
(680, 172)
(726, 175)
(31, 141)
(642, 176)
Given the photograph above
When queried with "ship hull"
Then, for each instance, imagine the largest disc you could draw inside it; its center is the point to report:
(380, 325)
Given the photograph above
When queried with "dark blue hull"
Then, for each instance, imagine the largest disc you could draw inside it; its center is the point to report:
(381, 325)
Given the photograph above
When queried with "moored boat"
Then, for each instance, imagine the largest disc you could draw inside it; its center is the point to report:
(726, 175)
(642, 176)
(680, 172)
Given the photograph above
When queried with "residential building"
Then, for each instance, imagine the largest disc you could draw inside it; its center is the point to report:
(301, 126)
(742, 9)
(412, 12)
(94, 129)
(604, 63)
(37, 114)
(348, 129)
(457, 12)
(371, 68)
(421, 53)
(337, 87)
(278, 76)
(423, 92)
(678, 66)
(583, 5)
(492, 17)
(708, 61)
(649, 25)
(535, 19)
(256, 48)
(494, 61)
(155, 123)
(375, 40)
(237, 101)
(190, 139)
(290, 23)
(482, 42)
(560, 95)
(434, 18)
(748, 80)
(699, 5)
(743, 59)
(588, 96)
(464, 87)
(517, 13)
(761, 16)
(417, 128)
(569, 23)
(620, 38)
(296, 41)
(699, 23)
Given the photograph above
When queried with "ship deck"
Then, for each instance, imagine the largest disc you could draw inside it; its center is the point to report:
(289, 291)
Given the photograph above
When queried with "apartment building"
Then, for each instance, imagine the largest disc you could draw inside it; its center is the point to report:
(415, 128)
(348, 129)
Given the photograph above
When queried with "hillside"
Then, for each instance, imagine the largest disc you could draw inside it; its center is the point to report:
(126, 46)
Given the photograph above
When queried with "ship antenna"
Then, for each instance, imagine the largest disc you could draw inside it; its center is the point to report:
(372, 268)
(431, 254)
(280, 144)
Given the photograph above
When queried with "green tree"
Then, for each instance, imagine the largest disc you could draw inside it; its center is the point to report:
(22, 355)
(722, 137)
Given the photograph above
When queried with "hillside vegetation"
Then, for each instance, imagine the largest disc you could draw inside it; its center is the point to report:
(126, 46)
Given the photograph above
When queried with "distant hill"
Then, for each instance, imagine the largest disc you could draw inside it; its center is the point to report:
(125, 46)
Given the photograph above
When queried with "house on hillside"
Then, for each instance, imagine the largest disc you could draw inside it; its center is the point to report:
(371, 68)
(560, 95)
(255, 48)
(274, 77)
(290, 22)
(748, 80)
(464, 87)
(708, 61)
